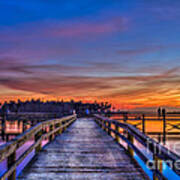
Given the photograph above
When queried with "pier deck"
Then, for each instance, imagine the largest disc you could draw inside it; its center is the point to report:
(83, 151)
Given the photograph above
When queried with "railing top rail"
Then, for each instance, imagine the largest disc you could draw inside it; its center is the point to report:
(30, 115)
(165, 154)
(157, 151)
(9, 147)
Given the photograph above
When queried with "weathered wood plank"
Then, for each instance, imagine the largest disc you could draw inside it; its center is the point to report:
(83, 151)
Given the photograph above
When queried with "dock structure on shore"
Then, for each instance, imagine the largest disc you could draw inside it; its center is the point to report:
(84, 148)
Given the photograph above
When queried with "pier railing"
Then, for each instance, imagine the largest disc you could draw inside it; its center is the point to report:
(169, 123)
(24, 120)
(128, 134)
(43, 130)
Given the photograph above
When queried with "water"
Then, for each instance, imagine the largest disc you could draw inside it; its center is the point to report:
(15, 127)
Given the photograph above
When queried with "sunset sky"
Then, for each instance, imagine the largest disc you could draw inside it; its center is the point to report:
(126, 52)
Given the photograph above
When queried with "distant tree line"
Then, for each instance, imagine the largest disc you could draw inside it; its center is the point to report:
(59, 107)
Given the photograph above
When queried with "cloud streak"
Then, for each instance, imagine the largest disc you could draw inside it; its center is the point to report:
(151, 90)
(90, 28)
(67, 29)
(123, 52)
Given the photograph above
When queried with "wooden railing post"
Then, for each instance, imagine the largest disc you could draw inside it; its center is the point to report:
(117, 130)
(37, 137)
(131, 140)
(60, 130)
(125, 117)
(143, 124)
(64, 122)
(51, 128)
(55, 126)
(68, 123)
(103, 126)
(158, 166)
(24, 126)
(3, 123)
(164, 126)
(109, 126)
(10, 161)
(101, 123)
(159, 137)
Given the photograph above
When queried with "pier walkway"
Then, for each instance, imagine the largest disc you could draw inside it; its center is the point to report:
(83, 151)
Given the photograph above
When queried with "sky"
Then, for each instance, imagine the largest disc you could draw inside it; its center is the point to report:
(126, 52)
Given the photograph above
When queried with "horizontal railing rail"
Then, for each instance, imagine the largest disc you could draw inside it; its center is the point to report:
(24, 120)
(128, 133)
(34, 115)
(169, 123)
(47, 129)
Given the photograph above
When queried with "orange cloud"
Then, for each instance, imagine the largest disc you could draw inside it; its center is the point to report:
(129, 91)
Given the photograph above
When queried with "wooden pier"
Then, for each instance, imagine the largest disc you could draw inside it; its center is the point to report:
(85, 148)
(84, 151)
